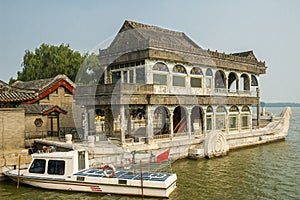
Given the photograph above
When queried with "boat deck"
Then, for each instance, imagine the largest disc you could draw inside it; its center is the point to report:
(126, 175)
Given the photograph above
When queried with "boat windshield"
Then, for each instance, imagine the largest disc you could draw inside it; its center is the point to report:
(38, 166)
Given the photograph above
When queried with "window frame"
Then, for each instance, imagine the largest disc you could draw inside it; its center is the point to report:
(39, 169)
(58, 170)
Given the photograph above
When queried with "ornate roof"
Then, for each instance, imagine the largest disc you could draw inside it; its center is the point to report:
(149, 32)
(134, 35)
(136, 41)
(11, 94)
(44, 87)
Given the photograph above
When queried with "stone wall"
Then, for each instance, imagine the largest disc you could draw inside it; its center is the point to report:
(34, 130)
(10, 160)
(12, 128)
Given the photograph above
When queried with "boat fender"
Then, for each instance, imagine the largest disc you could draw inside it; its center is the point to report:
(112, 168)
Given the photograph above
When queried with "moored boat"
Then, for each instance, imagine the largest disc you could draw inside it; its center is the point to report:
(69, 171)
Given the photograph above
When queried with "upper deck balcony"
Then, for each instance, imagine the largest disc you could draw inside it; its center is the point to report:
(151, 89)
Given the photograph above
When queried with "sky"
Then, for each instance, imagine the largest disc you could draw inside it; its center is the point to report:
(270, 28)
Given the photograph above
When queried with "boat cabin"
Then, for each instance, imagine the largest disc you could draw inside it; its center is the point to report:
(58, 163)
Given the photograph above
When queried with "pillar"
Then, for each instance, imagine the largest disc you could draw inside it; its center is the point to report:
(108, 122)
(237, 85)
(239, 121)
(91, 121)
(171, 124)
(122, 124)
(227, 122)
(258, 108)
(134, 75)
(188, 121)
(204, 123)
(213, 118)
(128, 120)
(250, 121)
(58, 128)
(149, 128)
(85, 124)
(226, 85)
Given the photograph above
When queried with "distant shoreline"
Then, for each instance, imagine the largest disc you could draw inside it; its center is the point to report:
(263, 104)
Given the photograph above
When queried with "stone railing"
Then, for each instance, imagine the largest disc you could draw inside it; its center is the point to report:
(149, 89)
(163, 136)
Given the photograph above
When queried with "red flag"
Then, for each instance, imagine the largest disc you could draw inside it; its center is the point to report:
(163, 156)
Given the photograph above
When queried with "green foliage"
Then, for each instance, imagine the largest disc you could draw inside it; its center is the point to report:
(48, 61)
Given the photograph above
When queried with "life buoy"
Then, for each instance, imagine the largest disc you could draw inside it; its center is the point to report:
(112, 168)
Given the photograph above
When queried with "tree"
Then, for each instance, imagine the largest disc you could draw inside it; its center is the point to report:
(48, 61)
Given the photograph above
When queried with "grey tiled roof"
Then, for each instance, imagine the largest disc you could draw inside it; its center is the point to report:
(134, 35)
(9, 94)
(248, 54)
(160, 34)
(42, 84)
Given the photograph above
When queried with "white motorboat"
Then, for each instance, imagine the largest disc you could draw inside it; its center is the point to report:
(69, 171)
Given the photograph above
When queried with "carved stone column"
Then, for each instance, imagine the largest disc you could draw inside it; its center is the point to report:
(122, 124)
(258, 108)
(171, 123)
(204, 123)
(91, 121)
(227, 123)
(188, 121)
(149, 128)
(85, 124)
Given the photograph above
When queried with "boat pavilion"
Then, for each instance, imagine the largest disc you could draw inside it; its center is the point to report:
(158, 85)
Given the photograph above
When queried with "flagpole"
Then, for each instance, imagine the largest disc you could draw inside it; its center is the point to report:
(19, 164)
(142, 186)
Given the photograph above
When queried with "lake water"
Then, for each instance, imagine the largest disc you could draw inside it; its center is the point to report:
(270, 171)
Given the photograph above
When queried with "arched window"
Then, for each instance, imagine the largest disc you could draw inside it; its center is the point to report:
(179, 69)
(179, 74)
(220, 118)
(160, 66)
(233, 82)
(208, 78)
(254, 81)
(221, 109)
(220, 79)
(161, 122)
(196, 77)
(245, 109)
(245, 82)
(179, 120)
(197, 120)
(233, 118)
(245, 117)
(208, 72)
(233, 109)
(196, 71)
(160, 73)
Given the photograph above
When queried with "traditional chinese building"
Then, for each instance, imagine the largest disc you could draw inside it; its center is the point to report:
(159, 85)
(12, 118)
(51, 110)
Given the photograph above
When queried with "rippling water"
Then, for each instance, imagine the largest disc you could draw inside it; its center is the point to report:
(270, 171)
